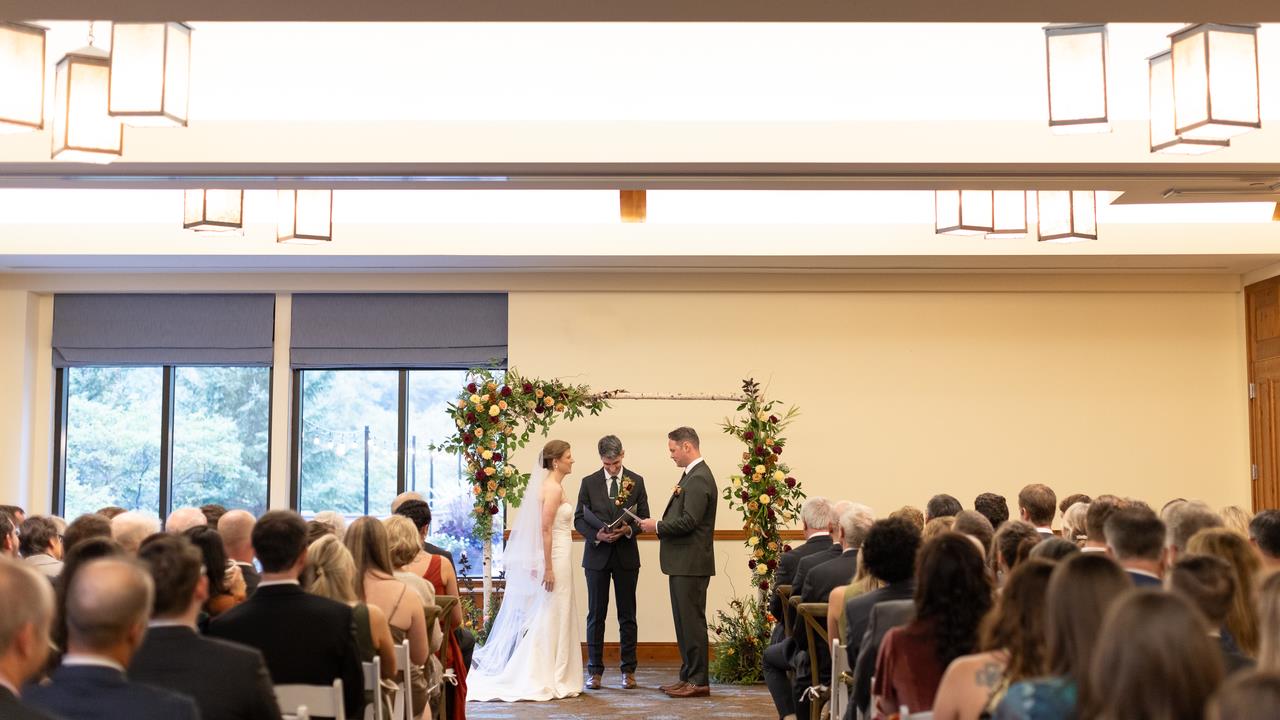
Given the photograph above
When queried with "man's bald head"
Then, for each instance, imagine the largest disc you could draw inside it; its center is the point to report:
(404, 497)
(236, 529)
(183, 519)
(25, 618)
(108, 603)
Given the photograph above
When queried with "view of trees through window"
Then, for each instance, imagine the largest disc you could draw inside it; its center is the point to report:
(113, 439)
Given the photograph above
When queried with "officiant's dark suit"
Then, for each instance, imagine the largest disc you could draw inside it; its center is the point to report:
(604, 562)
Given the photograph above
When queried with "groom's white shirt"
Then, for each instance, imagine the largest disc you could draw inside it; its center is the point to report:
(692, 465)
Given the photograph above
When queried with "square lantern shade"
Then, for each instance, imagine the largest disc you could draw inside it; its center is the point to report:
(304, 216)
(1009, 214)
(213, 210)
(1164, 139)
(21, 77)
(1076, 56)
(1215, 81)
(962, 212)
(150, 73)
(82, 129)
(1067, 215)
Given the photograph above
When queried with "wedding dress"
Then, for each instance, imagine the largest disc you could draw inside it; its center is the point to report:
(534, 651)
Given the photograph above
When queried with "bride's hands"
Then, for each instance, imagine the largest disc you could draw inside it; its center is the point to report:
(549, 580)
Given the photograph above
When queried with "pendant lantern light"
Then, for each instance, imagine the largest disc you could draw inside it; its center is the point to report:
(150, 73)
(82, 129)
(1215, 81)
(1009, 214)
(632, 206)
(1067, 215)
(304, 217)
(1164, 137)
(21, 77)
(213, 210)
(963, 212)
(1076, 56)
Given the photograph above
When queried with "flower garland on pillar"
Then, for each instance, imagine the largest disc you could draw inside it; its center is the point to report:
(766, 493)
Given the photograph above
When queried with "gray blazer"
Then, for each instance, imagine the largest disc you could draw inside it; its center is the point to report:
(686, 531)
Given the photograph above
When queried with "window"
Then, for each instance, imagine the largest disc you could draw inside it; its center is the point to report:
(126, 445)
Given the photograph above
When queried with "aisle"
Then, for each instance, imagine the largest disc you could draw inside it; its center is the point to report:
(740, 702)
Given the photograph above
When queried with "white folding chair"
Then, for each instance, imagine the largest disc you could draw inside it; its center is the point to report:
(839, 689)
(322, 700)
(403, 706)
(300, 714)
(373, 685)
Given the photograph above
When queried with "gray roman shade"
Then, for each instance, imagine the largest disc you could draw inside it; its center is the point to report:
(163, 330)
(459, 330)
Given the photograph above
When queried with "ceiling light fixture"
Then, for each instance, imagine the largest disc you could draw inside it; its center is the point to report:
(150, 73)
(82, 129)
(22, 77)
(213, 210)
(1215, 81)
(963, 212)
(1164, 137)
(304, 217)
(1076, 56)
(1009, 214)
(1067, 216)
(632, 206)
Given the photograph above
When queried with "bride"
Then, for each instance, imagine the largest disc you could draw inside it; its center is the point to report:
(533, 651)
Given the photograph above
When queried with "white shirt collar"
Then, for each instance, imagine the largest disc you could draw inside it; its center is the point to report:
(4, 683)
(1044, 530)
(1136, 571)
(621, 472)
(692, 465)
(1092, 548)
(168, 623)
(269, 583)
(91, 661)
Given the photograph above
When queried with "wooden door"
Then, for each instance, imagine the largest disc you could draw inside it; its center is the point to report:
(1262, 307)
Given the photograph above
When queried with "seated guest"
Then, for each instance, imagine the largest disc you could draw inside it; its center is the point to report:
(1012, 640)
(1235, 519)
(25, 620)
(837, 548)
(333, 576)
(132, 527)
(89, 525)
(9, 540)
(183, 519)
(1242, 620)
(1154, 660)
(1054, 549)
(1136, 538)
(953, 594)
(226, 680)
(110, 511)
(1247, 696)
(403, 498)
(1209, 584)
(1037, 505)
(977, 526)
(18, 514)
(936, 527)
(993, 507)
(41, 545)
(236, 529)
(1081, 590)
(863, 582)
(213, 513)
(442, 577)
(815, 520)
(1186, 519)
(76, 557)
(889, 552)
(336, 522)
(1095, 522)
(1264, 534)
(317, 530)
(1269, 623)
(941, 506)
(1011, 545)
(410, 561)
(305, 639)
(911, 515)
(226, 587)
(108, 604)
(420, 513)
(1074, 523)
(1072, 499)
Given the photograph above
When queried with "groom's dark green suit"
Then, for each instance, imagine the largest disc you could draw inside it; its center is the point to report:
(687, 554)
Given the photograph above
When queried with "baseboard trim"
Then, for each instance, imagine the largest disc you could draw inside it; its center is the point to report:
(647, 653)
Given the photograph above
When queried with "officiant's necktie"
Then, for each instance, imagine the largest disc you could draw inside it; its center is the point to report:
(613, 488)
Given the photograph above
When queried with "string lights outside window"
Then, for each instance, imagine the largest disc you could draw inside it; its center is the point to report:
(21, 77)
(1067, 216)
(1076, 56)
(82, 129)
(1215, 81)
(304, 217)
(213, 210)
(150, 73)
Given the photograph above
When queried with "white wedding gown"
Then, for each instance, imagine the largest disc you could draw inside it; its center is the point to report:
(546, 663)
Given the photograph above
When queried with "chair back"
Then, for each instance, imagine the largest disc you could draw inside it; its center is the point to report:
(322, 700)
(814, 616)
(299, 714)
(840, 678)
(373, 686)
(402, 709)
(784, 592)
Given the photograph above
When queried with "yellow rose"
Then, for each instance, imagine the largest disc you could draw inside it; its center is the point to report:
(559, 407)
(762, 569)
(502, 404)
(548, 401)
(490, 386)
(757, 477)
(493, 444)
(487, 455)
(764, 499)
(484, 397)
(490, 471)
(494, 410)
(479, 432)
(538, 393)
(492, 485)
(753, 506)
(531, 405)
(502, 492)
(488, 496)
(462, 404)
(753, 541)
(788, 516)
(474, 399)
(508, 471)
(476, 489)
(459, 422)
(480, 407)
(762, 415)
(779, 475)
(773, 545)
(736, 483)
(760, 469)
(758, 553)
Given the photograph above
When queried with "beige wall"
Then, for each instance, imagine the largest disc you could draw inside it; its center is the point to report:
(907, 385)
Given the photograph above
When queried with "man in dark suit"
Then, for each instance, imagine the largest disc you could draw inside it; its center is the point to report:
(25, 618)
(889, 555)
(305, 639)
(227, 681)
(1136, 538)
(686, 552)
(610, 555)
(1037, 504)
(236, 529)
(107, 608)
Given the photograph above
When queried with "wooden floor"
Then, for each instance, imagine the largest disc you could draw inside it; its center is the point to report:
(646, 701)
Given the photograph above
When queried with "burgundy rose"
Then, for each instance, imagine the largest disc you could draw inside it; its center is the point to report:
(748, 436)
(773, 564)
(468, 439)
(493, 509)
(764, 584)
(777, 449)
(786, 548)
(527, 388)
(771, 491)
(746, 470)
(480, 475)
(751, 564)
(791, 482)
(471, 387)
(745, 496)
(773, 418)
(537, 409)
(772, 515)
(761, 451)
(506, 391)
(471, 418)
(497, 457)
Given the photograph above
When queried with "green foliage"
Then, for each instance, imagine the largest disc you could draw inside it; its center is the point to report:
(742, 634)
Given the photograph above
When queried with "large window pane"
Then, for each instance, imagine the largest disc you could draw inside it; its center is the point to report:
(349, 423)
(221, 420)
(113, 439)
(439, 476)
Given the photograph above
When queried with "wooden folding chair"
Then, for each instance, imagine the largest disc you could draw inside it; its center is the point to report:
(784, 592)
(814, 617)
(446, 603)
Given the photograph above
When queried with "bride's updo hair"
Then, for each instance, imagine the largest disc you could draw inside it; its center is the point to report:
(553, 451)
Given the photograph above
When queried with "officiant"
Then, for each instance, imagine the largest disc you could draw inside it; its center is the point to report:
(610, 555)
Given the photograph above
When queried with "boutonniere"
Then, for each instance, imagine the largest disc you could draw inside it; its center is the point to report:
(624, 492)
(677, 491)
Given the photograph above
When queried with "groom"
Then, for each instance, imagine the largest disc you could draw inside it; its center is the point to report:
(687, 555)
(610, 555)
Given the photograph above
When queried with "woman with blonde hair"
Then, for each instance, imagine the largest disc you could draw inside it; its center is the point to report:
(1242, 622)
(1073, 523)
(408, 558)
(376, 584)
(1235, 518)
(332, 574)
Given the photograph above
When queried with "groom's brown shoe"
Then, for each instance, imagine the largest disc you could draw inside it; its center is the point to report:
(673, 686)
(593, 683)
(690, 691)
(629, 681)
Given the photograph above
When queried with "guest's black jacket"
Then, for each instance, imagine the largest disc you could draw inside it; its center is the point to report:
(227, 681)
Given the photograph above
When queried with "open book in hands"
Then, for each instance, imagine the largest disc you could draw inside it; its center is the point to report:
(611, 526)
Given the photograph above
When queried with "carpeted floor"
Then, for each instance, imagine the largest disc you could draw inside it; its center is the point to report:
(646, 701)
